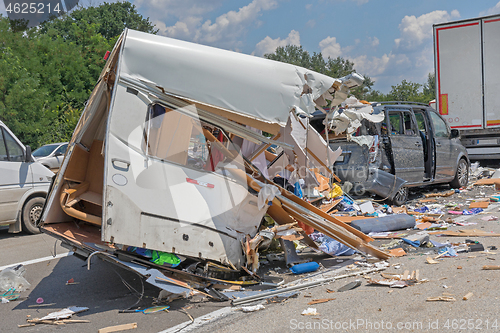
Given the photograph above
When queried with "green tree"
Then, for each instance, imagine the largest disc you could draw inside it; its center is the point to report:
(47, 73)
(405, 91)
(429, 91)
(110, 20)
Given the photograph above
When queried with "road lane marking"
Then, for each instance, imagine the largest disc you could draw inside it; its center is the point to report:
(34, 261)
(188, 326)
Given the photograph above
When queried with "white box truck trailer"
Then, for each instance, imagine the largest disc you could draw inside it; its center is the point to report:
(468, 82)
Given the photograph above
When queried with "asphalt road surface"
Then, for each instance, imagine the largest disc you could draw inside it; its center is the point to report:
(102, 289)
(105, 289)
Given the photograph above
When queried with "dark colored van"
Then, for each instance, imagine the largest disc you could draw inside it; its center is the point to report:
(413, 143)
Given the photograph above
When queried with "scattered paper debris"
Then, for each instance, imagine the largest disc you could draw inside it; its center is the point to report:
(310, 312)
(441, 298)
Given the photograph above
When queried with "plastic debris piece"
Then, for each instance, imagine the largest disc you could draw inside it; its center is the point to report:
(489, 218)
(252, 308)
(39, 300)
(305, 267)
(388, 282)
(422, 209)
(350, 286)
(310, 312)
(64, 313)
(335, 248)
(447, 252)
(12, 278)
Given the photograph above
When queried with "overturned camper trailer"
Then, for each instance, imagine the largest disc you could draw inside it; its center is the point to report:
(169, 154)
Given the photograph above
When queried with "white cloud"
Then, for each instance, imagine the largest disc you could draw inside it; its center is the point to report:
(231, 25)
(225, 31)
(330, 48)
(269, 45)
(372, 66)
(311, 23)
(181, 29)
(417, 30)
(374, 41)
(492, 10)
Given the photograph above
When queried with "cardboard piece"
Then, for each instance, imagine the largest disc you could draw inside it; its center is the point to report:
(118, 328)
(488, 181)
(397, 252)
(479, 204)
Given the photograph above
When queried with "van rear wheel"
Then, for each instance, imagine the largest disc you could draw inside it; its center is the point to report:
(462, 176)
(31, 214)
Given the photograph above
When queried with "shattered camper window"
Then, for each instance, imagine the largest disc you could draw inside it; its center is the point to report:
(176, 137)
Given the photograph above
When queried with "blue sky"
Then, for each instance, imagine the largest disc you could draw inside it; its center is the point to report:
(388, 40)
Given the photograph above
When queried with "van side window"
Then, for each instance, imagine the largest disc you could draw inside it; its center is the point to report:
(440, 128)
(394, 123)
(11, 149)
(420, 121)
(401, 123)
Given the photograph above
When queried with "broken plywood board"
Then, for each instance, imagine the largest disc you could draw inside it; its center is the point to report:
(317, 301)
(118, 328)
(488, 181)
(491, 267)
(349, 219)
(441, 298)
(440, 194)
(479, 204)
(397, 252)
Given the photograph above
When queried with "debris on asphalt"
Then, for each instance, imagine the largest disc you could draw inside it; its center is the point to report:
(310, 312)
(64, 313)
(252, 308)
(60, 317)
(212, 210)
(118, 328)
(467, 296)
(12, 279)
(350, 286)
(491, 267)
(306, 267)
(318, 301)
(441, 299)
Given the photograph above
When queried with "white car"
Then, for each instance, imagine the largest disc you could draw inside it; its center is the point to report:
(24, 184)
(51, 155)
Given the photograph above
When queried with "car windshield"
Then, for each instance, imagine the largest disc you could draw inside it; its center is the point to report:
(44, 150)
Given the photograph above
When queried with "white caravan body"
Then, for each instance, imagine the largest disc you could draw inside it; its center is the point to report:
(143, 164)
